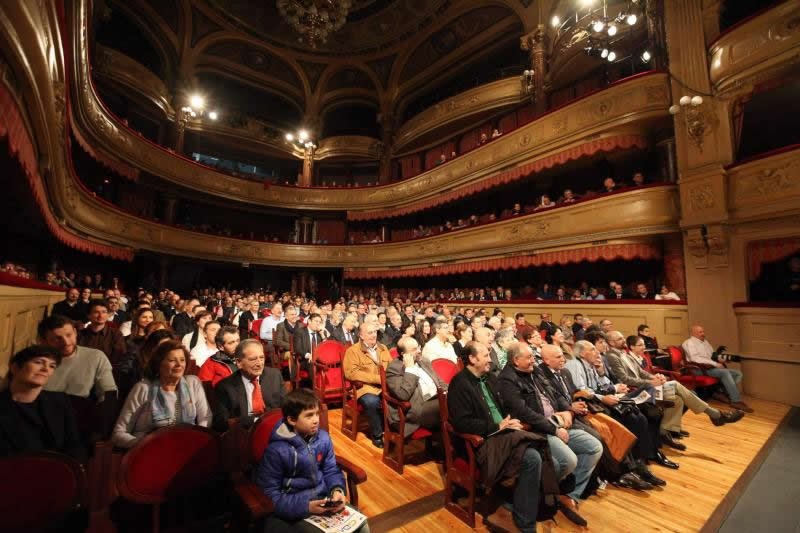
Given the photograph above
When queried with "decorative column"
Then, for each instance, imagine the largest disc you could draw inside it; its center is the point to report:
(669, 166)
(308, 167)
(703, 149)
(387, 134)
(170, 209)
(305, 227)
(674, 266)
(656, 33)
(536, 45)
(177, 130)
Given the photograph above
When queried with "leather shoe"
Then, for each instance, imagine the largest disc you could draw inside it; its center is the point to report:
(727, 417)
(684, 433)
(378, 442)
(741, 406)
(661, 459)
(676, 435)
(667, 439)
(632, 481)
(646, 475)
(570, 509)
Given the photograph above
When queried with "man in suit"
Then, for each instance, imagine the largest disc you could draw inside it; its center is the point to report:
(247, 318)
(360, 363)
(71, 307)
(306, 339)
(250, 391)
(183, 322)
(547, 323)
(346, 331)
(284, 332)
(392, 333)
(115, 314)
(410, 378)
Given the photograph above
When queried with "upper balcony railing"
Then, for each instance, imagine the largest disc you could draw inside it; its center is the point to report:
(624, 108)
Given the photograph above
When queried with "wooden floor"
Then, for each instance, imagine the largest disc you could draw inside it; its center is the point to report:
(716, 458)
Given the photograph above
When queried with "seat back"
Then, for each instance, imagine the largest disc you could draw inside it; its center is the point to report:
(329, 352)
(261, 432)
(330, 382)
(255, 327)
(677, 357)
(38, 490)
(445, 369)
(169, 462)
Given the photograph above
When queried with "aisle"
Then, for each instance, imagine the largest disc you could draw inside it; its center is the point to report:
(715, 460)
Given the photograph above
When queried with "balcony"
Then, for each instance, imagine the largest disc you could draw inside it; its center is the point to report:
(766, 186)
(627, 108)
(757, 49)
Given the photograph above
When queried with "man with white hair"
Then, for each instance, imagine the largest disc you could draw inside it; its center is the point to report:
(439, 347)
(269, 323)
(699, 352)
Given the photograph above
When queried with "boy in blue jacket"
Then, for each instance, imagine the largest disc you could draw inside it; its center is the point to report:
(298, 471)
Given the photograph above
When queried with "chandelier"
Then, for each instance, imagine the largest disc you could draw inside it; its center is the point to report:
(314, 19)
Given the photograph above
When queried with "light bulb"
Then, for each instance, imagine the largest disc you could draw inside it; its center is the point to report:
(587, 3)
(213, 115)
(303, 135)
(555, 21)
(289, 137)
(674, 109)
(611, 56)
(612, 30)
(685, 100)
(646, 56)
(604, 53)
(197, 101)
(631, 20)
(697, 100)
(598, 26)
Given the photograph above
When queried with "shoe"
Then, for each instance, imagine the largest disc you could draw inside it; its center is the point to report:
(667, 439)
(676, 435)
(666, 404)
(570, 509)
(684, 433)
(661, 459)
(378, 442)
(721, 397)
(632, 481)
(741, 406)
(647, 476)
(727, 417)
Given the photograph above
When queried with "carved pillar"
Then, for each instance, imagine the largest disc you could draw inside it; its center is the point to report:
(674, 265)
(177, 130)
(656, 33)
(711, 12)
(387, 134)
(308, 167)
(536, 45)
(703, 149)
(669, 166)
(170, 209)
(305, 230)
(302, 282)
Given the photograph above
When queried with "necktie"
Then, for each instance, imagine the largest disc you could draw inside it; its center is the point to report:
(314, 340)
(258, 399)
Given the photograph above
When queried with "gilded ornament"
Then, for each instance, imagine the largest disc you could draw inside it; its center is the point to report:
(701, 197)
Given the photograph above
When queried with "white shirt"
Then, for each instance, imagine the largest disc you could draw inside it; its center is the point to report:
(125, 328)
(437, 349)
(669, 296)
(426, 384)
(267, 325)
(248, 389)
(201, 352)
(698, 351)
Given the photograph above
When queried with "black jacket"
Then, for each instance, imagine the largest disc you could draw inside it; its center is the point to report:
(76, 312)
(467, 407)
(230, 397)
(59, 432)
(182, 323)
(338, 334)
(519, 394)
(389, 336)
(548, 378)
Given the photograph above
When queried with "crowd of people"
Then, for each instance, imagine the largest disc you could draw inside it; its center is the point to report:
(60, 278)
(562, 197)
(531, 389)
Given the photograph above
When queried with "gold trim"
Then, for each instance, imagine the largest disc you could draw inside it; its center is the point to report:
(130, 73)
(765, 188)
(351, 146)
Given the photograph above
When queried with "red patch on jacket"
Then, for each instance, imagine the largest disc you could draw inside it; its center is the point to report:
(319, 457)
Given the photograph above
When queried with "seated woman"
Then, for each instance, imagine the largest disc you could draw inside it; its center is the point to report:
(201, 318)
(33, 419)
(463, 334)
(557, 337)
(129, 371)
(164, 398)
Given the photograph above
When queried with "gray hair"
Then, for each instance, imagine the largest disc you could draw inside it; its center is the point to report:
(239, 353)
(439, 325)
(517, 349)
(580, 347)
(503, 335)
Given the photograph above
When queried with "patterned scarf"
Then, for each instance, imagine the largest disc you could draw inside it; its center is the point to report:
(185, 412)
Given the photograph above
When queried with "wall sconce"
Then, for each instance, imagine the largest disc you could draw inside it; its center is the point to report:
(689, 111)
(528, 82)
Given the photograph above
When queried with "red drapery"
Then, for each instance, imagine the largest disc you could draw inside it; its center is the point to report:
(432, 155)
(592, 254)
(472, 138)
(606, 144)
(120, 168)
(526, 114)
(507, 123)
(410, 166)
(12, 128)
(760, 252)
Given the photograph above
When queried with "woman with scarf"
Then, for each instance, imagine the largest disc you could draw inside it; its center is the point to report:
(164, 398)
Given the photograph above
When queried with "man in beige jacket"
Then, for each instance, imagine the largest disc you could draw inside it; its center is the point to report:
(360, 364)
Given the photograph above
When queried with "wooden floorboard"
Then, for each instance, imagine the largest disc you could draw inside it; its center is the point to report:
(716, 458)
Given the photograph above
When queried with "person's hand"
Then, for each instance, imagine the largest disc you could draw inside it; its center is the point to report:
(579, 407)
(621, 388)
(337, 496)
(307, 356)
(510, 423)
(662, 378)
(609, 400)
(315, 507)
(562, 434)
(566, 417)
(408, 360)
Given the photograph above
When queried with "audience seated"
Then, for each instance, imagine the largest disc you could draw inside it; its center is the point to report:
(476, 407)
(298, 471)
(250, 391)
(165, 397)
(71, 307)
(33, 419)
(360, 364)
(101, 335)
(222, 363)
(439, 346)
(306, 340)
(196, 337)
(700, 352)
(206, 345)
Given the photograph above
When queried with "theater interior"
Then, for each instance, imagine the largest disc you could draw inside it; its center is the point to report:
(601, 166)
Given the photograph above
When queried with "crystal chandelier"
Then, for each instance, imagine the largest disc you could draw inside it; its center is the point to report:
(314, 19)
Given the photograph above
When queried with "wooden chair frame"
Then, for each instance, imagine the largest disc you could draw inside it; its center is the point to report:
(394, 441)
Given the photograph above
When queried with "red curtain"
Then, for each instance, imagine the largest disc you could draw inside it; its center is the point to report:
(526, 114)
(760, 252)
(591, 254)
(432, 155)
(331, 231)
(507, 123)
(410, 166)
(605, 144)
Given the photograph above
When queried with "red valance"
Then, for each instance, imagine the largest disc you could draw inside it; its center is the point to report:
(592, 254)
(760, 252)
(12, 128)
(117, 166)
(606, 144)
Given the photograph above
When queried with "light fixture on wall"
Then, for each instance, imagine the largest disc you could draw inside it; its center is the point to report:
(197, 109)
(528, 82)
(314, 20)
(301, 140)
(689, 110)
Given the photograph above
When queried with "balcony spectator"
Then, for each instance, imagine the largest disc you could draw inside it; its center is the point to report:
(642, 293)
(618, 293)
(609, 185)
(544, 203)
(569, 197)
(561, 293)
(545, 293)
(71, 307)
(442, 159)
(496, 133)
(484, 138)
(638, 179)
(516, 210)
(595, 294)
(666, 294)
(576, 295)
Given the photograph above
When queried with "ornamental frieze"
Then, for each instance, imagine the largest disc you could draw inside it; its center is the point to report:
(769, 186)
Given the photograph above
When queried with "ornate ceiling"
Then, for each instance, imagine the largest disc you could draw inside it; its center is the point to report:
(385, 53)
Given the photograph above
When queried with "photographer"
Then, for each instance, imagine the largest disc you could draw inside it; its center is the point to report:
(699, 352)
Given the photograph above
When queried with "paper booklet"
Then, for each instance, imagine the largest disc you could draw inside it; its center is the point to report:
(641, 397)
(345, 522)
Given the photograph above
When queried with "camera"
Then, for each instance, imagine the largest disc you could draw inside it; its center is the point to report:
(721, 357)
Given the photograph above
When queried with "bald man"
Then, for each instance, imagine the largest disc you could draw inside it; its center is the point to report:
(360, 364)
(698, 351)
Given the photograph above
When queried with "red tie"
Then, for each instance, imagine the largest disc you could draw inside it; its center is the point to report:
(258, 400)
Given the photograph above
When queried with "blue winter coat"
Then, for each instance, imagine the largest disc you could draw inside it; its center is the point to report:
(294, 471)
